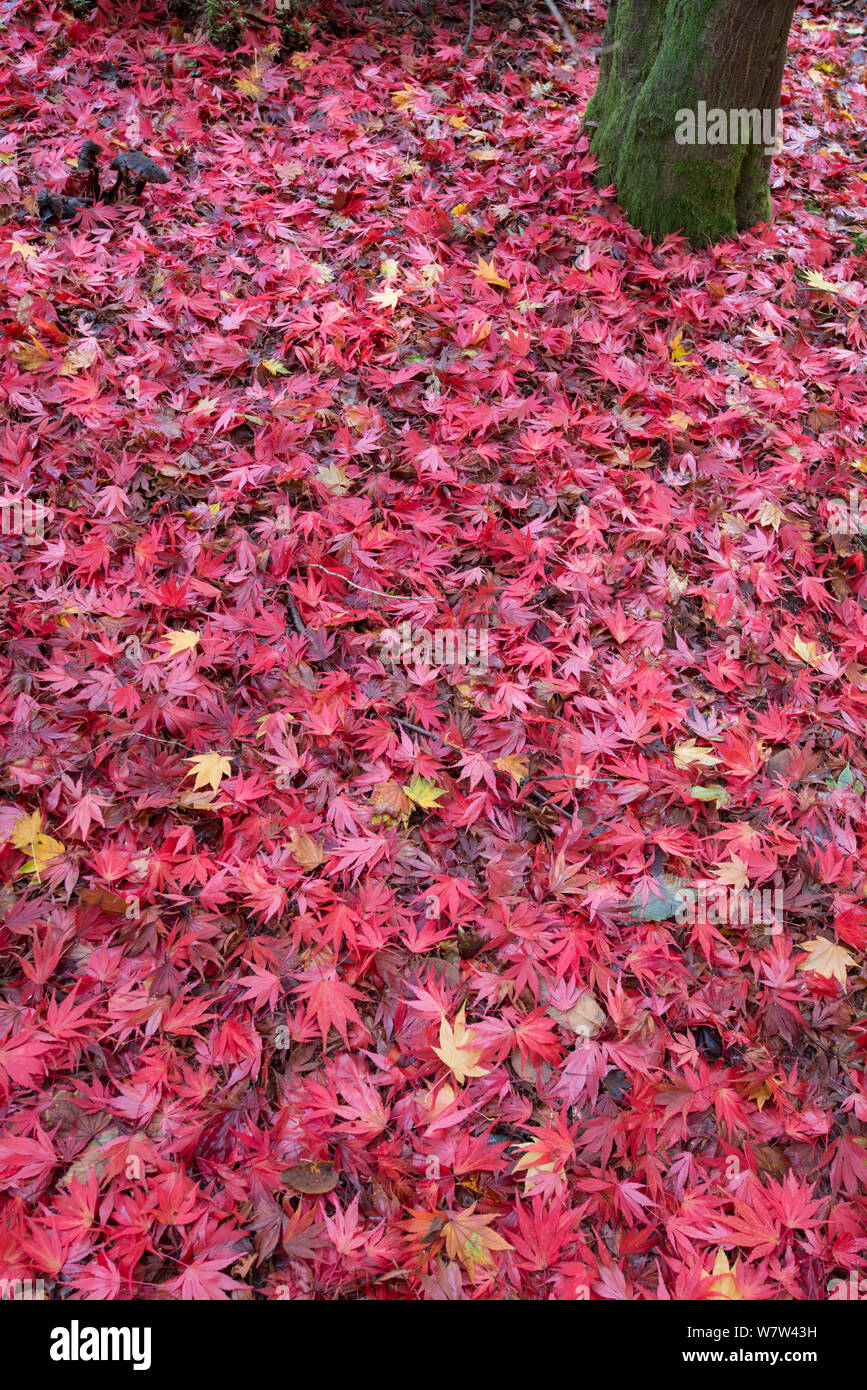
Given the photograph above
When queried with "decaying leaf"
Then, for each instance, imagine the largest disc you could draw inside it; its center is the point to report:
(469, 1238)
(307, 852)
(585, 1018)
(311, 1177)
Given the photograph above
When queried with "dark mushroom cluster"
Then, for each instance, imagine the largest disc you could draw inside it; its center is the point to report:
(131, 166)
(56, 207)
(88, 156)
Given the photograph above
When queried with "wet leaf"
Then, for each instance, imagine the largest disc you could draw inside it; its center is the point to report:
(311, 1177)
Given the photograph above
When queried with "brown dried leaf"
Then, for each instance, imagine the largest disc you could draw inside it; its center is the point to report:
(307, 853)
(103, 899)
(310, 1177)
(820, 419)
(390, 799)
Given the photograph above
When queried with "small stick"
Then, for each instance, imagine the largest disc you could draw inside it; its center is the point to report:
(567, 32)
(297, 620)
(469, 33)
(417, 729)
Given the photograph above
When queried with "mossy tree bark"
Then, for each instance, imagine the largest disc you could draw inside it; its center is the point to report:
(661, 57)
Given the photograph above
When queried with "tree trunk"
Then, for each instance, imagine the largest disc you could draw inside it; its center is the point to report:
(660, 60)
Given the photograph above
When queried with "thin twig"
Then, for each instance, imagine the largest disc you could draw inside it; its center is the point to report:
(391, 598)
(297, 620)
(469, 34)
(565, 28)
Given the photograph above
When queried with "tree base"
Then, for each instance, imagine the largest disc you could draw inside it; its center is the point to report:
(665, 57)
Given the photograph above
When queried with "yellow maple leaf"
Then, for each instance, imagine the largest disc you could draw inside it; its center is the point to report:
(290, 170)
(24, 250)
(79, 358)
(272, 365)
(487, 271)
(808, 652)
(826, 958)
(28, 836)
(388, 298)
(439, 1098)
(456, 1049)
(679, 354)
(249, 83)
(45, 849)
(676, 584)
(733, 873)
(679, 420)
(469, 1239)
(198, 801)
(26, 829)
(763, 1095)
(714, 793)
(357, 416)
(31, 356)
(182, 641)
(689, 753)
(334, 478)
(769, 514)
(209, 769)
(516, 766)
(404, 97)
(532, 1161)
(816, 280)
(724, 1279)
(423, 793)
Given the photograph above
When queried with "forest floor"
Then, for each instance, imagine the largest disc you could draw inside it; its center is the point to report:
(341, 958)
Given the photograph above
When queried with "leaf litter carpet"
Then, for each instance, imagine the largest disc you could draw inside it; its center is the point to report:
(331, 971)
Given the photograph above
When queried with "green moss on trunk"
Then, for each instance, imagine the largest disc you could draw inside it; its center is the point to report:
(666, 56)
